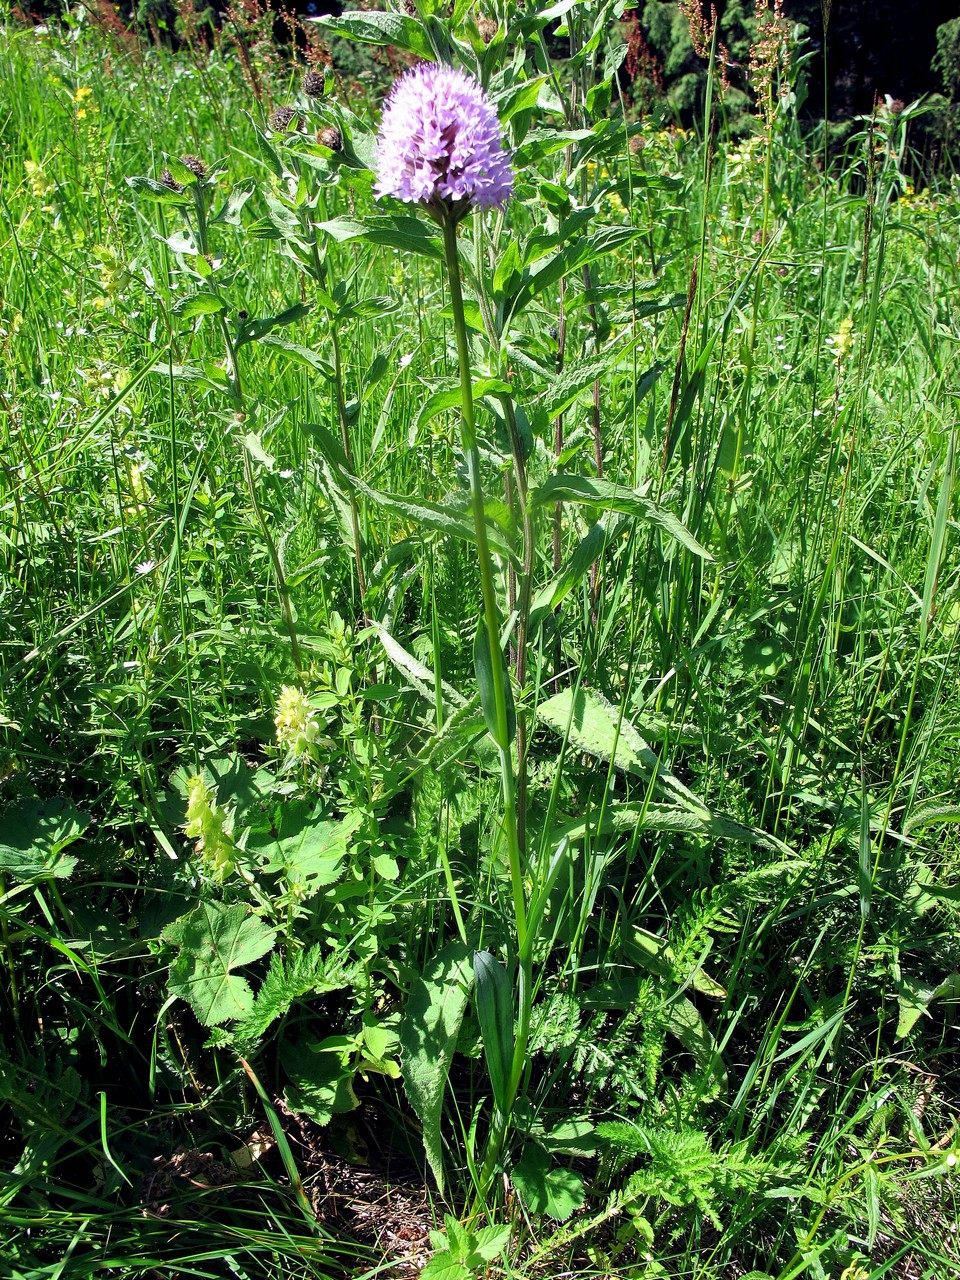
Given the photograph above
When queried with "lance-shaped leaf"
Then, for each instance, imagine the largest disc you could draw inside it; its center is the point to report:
(604, 495)
(495, 1015)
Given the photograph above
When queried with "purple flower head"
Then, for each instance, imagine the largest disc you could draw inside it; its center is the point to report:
(439, 143)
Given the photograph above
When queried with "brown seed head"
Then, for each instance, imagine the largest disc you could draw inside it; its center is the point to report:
(281, 119)
(330, 137)
(487, 28)
(313, 84)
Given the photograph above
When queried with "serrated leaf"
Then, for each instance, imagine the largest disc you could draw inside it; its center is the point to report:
(214, 940)
(428, 1036)
(306, 851)
(253, 330)
(371, 27)
(915, 997)
(557, 1192)
(33, 835)
(321, 1081)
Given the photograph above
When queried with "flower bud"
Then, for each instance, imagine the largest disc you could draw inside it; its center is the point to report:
(195, 165)
(170, 182)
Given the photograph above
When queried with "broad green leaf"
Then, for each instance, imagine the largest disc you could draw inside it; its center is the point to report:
(572, 256)
(451, 398)
(371, 27)
(253, 443)
(589, 549)
(214, 940)
(444, 1266)
(392, 231)
(575, 377)
(201, 304)
(607, 496)
(915, 997)
(596, 727)
(557, 1192)
(495, 1015)
(321, 1077)
(159, 191)
(428, 1036)
(639, 816)
(308, 852)
(229, 212)
(33, 835)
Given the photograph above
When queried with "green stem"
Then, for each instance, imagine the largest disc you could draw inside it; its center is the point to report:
(491, 620)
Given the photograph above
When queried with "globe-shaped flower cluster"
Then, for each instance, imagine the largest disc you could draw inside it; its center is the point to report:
(440, 145)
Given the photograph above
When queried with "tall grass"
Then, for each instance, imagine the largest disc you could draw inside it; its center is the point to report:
(239, 713)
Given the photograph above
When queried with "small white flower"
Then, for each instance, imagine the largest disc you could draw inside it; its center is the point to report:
(405, 360)
(146, 566)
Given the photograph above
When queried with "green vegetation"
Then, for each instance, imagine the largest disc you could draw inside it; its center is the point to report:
(285, 989)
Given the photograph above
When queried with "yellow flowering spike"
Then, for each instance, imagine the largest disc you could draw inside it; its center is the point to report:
(210, 826)
(295, 721)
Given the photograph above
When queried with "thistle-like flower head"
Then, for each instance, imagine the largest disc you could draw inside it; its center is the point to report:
(440, 144)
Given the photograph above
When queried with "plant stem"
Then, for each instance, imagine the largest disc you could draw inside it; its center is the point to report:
(491, 620)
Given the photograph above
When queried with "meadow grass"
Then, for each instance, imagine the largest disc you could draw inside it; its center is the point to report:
(740, 793)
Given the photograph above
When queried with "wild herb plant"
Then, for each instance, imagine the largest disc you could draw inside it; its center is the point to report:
(523, 715)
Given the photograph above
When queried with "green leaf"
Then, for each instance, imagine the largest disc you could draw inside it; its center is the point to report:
(577, 253)
(201, 304)
(428, 1036)
(575, 377)
(607, 496)
(311, 972)
(308, 852)
(686, 1022)
(159, 191)
(229, 213)
(321, 1077)
(595, 726)
(495, 1015)
(589, 549)
(451, 398)
(391, 231)
(252, 330)
(215, 939)
(915, 997)
(381, 28)
(484, 666)
(556, 1192)
(33, 835)
(253, 443)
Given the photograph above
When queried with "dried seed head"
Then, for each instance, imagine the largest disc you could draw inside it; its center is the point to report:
(637, 143)
(169, 181)
(487, 28)
(313, 83)
(195, 165)
(281, 119)
(330, 137)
